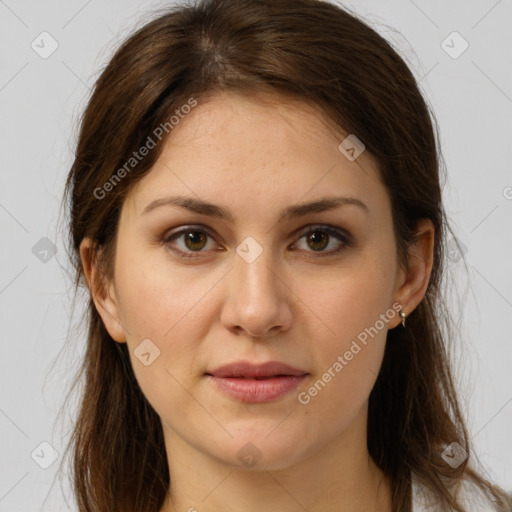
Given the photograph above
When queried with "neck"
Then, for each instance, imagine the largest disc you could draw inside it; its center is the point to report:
(340, 476)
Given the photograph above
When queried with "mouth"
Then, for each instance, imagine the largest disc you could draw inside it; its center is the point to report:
(252, 383)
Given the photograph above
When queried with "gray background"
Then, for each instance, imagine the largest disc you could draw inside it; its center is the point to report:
(41, 100)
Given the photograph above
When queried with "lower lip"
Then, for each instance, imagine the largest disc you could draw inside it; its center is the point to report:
(257, 390)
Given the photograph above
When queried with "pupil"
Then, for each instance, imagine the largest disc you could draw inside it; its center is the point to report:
(313, 237)
(193, 238)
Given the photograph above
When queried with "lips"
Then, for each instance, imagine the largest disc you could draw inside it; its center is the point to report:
(252, 383)
(245, 369)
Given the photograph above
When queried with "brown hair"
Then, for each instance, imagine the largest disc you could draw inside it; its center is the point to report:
(320, 53)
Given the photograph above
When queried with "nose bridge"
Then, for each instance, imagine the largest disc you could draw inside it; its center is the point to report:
(255, 268)
(256, 301)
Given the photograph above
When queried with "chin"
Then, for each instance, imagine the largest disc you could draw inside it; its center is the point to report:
(262, 453)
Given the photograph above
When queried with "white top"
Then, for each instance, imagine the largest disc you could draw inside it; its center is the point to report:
(471, 497)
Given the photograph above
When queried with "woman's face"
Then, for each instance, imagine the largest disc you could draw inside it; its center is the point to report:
(253, 286)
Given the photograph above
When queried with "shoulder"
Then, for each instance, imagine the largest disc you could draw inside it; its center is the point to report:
(468, 494)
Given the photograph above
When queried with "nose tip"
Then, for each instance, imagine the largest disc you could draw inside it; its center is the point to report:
(256, 301)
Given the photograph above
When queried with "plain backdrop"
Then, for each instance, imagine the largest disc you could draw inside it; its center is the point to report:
(41, 99)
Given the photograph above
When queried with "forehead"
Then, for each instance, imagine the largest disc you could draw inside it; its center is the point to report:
(237, 148)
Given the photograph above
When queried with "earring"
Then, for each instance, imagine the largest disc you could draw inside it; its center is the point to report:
(403, 316)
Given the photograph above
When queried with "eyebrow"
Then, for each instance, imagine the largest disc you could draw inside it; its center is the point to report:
(294, 211)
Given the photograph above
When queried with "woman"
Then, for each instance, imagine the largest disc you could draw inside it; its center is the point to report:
(256, 213)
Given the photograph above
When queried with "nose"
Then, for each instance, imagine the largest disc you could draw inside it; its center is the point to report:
(257, 298)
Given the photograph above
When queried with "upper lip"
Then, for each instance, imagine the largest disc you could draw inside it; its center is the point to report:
(250, 370)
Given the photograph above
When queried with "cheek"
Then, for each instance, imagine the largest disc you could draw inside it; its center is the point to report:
(158, 299)
(347, 367)
(354, 312)
(162, 304)
(168, 307)
(350, 300)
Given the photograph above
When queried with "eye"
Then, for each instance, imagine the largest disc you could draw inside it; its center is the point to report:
(192, 240)
(318, 238)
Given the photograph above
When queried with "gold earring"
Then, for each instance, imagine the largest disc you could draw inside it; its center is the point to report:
(403, 316)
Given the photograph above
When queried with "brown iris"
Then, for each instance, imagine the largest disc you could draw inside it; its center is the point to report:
(315, 239)
(195, 238)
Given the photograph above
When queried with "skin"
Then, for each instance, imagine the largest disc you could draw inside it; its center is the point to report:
(256, 156)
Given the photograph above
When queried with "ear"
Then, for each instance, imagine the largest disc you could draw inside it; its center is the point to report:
(412, 284)
(102, 292)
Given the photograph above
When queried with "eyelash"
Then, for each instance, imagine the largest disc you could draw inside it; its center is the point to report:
(345, 240)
